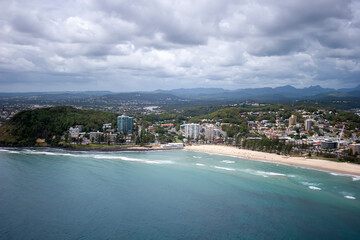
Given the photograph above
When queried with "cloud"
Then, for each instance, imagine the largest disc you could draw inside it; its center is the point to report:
(146, 45)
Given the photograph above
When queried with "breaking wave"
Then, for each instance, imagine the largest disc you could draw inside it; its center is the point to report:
(354, 177)
(81, 155)
(266, 174)
(225, 168)
(350, 197)
(227, 161)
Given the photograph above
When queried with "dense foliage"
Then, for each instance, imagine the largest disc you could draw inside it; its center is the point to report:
(268, 145)
(175, 118)
(51, 123)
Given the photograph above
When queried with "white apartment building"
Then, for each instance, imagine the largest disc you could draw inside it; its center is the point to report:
(209, 132)
(192, 131)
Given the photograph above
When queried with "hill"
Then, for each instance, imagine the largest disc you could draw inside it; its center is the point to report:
(50, 124)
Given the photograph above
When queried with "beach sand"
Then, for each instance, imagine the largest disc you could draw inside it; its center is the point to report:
(325, 165)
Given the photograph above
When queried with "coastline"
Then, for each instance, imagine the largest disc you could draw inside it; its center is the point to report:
(111, 148)
(323, 165)
(95, 149)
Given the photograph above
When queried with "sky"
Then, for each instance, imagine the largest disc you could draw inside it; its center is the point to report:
(132, 45)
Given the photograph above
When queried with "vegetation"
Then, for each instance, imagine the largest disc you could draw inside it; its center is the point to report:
(236, 130)
(175, 118)
(268, 145)
(51, 123)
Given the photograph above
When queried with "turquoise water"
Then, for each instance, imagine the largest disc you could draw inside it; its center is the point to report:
(54, 194)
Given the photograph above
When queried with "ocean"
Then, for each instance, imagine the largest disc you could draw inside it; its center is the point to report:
(177, 194)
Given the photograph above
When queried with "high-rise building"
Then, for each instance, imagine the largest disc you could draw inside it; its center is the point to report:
(329, 144)
(209, 132)
(192, 131)
(355, 148)
(125, 124)
(292, 120)
(308, 124)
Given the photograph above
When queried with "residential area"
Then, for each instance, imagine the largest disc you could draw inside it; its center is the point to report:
(299, 131)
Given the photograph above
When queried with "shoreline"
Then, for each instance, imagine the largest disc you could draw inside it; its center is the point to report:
(317, 164)
(95, 149)
(310, 163)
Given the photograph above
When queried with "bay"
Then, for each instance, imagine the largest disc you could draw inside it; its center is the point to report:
(56, 194)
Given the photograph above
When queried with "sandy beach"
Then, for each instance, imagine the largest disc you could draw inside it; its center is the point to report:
(325, 165)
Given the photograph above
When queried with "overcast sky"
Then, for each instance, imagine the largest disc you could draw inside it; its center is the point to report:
(147, 45)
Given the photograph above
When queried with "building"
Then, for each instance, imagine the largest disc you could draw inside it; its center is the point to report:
(95, 136)
(125, 124)
(192, 131)
(252, 124)
(292, 120)
(218, 133)
(355, 148)
(329, 144)
(209, 132)
(107, 127)
(167, 125)
(308, 124)
(110, 137)
(173, 145)
(74, 132)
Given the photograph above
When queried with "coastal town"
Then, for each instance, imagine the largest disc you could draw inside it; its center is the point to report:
(310, 133)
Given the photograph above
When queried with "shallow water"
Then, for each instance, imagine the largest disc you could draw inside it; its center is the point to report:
(55, 194)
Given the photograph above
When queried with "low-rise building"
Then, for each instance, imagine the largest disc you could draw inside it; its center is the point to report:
(74, 132)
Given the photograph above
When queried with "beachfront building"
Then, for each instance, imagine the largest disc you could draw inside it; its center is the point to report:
(95, 136)
(355, 148)
(209, 132)
(74, 132)
(192, 130)
(329, 144)
(125, 124)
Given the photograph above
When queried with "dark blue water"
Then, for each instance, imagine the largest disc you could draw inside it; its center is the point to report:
(51, 194)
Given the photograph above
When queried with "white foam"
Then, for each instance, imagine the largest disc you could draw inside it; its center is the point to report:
(354, 177)
(128, 159)
(227, 161)
(350, 197)
(314, 188)
(49, 153)
(224, 168)
(272, 173)
(8, 151)
(199, 164)
(196, 157)
(96, 156)
(266, 174)
(310, 184)
(159, 162)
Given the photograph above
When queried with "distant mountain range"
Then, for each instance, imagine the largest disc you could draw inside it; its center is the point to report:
(283, 93)
(266, 94)
(60, 95)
